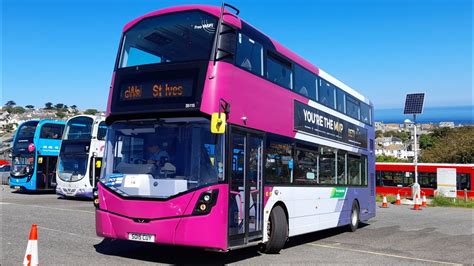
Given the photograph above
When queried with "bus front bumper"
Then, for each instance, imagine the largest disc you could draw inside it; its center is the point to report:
(23, 183)
(197, 231)
(74, 192)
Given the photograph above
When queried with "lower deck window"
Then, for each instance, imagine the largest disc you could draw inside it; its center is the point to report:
(321, 165)
(463, 181)
(279, 163)
(306, 167)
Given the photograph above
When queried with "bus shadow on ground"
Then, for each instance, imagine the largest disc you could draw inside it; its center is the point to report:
(187, 255)
(33, 192)
(74, 199)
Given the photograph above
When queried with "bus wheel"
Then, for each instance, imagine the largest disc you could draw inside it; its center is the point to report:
(354, 222)
(277, 230)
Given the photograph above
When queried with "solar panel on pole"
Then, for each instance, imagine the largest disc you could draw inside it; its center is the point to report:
(413, 106)
(414, 103)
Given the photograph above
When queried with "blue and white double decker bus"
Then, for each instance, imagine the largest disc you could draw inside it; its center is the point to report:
(80, 158)
(35, 153)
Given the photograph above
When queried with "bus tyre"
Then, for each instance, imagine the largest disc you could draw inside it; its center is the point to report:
(277, 230)
(354, 219)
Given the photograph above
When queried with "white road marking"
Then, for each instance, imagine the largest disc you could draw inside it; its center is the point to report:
(382, 254)
(45, 207)
(69, 233)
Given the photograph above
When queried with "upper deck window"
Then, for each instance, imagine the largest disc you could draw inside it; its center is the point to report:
(353, 108)
(340, 101)
(305, 82)
(102, 131)
(51, 131)
(249, 55)
(326, 93)
(365, 115)
(279, 72)
(27, 130)
(177, 37)
(79, 128)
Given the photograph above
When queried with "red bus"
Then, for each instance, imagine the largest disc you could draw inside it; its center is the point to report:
(398, 177)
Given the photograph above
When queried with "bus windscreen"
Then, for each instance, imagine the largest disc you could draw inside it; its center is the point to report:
(178, 37)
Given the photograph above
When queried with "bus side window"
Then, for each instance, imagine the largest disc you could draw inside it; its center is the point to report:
(326, 93)
(305, 82)
(279, 163)
(102, 131)
(249, 55)
(353, 108)
(354, 168)
(463, 181)
(327, 166)
(279, 71)
(306, 167)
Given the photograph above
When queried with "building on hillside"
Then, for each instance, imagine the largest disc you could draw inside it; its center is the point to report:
(387, 141)
(379, 126)
(394, 147)
(392, 127)
(446, 124)
(428, 127)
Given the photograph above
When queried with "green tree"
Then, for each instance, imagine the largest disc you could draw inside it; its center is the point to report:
(9, 106)
(30, 107)
(59, 106)
(451, 146)
(91, 111)
(18, 110)
(426, 141)
(10, 103)
(48, 106)
(61, 114)
(389, 159)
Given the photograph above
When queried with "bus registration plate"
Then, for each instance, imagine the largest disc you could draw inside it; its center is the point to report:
(141, 237)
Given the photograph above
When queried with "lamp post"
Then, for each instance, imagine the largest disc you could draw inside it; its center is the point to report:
(414, 105)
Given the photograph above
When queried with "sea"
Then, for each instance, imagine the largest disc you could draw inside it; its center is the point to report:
(460, 115)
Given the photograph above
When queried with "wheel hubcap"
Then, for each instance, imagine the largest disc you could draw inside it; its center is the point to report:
(354, 217)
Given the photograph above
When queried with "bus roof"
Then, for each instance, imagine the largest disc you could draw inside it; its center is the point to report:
(94, 117)
(237, 22)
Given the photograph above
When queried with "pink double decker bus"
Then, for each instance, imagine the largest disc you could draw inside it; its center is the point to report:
(219, 137)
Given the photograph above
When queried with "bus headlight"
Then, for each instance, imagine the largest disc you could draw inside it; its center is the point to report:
(206, 201)
(95, 197)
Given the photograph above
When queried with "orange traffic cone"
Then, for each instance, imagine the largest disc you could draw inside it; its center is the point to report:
(31, 255)
(416, 206)
(423, 202)
(384, 202)
(398, 201)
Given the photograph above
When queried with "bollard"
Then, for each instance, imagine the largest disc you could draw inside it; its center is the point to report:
(465, 195)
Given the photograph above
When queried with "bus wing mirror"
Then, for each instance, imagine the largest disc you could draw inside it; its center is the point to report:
(218, 123)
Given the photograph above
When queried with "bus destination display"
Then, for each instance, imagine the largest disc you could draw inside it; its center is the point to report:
(156, 89)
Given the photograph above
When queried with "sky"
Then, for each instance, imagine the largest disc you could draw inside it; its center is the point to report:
(63, 51)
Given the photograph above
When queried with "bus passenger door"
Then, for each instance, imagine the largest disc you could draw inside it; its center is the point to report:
(46, 172)
(246, 188)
